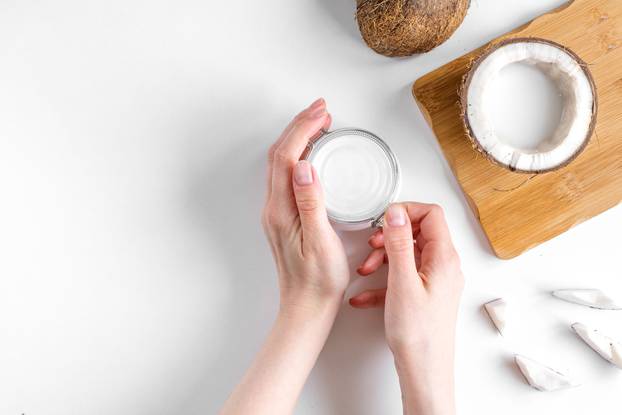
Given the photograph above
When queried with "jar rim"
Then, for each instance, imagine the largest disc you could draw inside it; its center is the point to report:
(375, 217)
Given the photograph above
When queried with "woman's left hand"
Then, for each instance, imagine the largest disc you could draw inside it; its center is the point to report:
(310, 258)
(313, 274)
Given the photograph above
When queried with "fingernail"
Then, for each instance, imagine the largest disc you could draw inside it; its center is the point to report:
(318, 112)
(303, 174)
(395, 216)
(318, 102)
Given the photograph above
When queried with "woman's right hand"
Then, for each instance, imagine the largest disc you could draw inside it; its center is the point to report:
(421, 302)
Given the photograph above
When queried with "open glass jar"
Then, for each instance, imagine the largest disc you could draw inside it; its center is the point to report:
(360, 176)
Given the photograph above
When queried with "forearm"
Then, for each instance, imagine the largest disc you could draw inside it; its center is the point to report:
(426, 380)
(274, 381)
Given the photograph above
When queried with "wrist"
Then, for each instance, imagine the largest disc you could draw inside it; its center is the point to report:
(426, 378)
(308, 307)
(309, 300)
(428, 345)
(306, 323)
(427, 364)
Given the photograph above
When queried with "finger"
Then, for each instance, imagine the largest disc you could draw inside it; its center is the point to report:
(431, 220)
(437, 253)
(369, 298)
(324, 129)
(321, 132)
(289, 152)
(309, 200)
(399, 244)
(327, 122)
(380, 246)
(417, 256)
(439, 260)
(398, 240)
(374, 260)
(376, 240)
(317, 103)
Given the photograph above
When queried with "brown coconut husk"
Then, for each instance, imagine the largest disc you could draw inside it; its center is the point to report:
(406, 27)
(463, 94)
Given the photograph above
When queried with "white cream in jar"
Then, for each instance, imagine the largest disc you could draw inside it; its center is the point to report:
(359, 175)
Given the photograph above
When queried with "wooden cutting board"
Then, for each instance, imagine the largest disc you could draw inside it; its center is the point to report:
(515, 213)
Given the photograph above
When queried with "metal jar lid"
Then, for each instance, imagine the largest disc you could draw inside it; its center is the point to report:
(371, 217)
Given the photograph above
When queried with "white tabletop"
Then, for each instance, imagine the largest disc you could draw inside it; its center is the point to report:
(135, 278)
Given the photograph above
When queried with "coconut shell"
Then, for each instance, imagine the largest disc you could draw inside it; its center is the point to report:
(463, 94)
(406, 27)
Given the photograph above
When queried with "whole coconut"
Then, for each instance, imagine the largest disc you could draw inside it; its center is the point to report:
(406, 27)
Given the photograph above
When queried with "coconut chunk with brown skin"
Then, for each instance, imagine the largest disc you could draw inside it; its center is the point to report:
(589, 297)
(497, 311)
(542, 377)
(576, 86)
(605, 346)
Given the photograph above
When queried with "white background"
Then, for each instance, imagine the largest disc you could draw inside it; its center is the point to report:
(134, 276)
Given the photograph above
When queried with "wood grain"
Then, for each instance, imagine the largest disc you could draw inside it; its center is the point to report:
(515, 213)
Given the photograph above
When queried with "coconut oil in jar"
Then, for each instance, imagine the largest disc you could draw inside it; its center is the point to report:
(359, 174)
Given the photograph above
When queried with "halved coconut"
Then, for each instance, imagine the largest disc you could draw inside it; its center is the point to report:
(576, 86)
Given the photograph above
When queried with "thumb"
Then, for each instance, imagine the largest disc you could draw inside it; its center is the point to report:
(398, 242)
(309, 199)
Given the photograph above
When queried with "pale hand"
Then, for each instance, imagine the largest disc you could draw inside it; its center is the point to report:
(313, 274)
(310, 257)
(421, 302)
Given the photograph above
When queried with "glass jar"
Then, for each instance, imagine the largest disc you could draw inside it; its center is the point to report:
(360, 176)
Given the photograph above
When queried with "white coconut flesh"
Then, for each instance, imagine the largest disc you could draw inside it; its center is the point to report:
(542, 377)
(589, 297)
(578, 107)
(497, 311)
(606, 347)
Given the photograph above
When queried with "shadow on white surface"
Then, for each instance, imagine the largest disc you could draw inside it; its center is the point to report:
(225, 198)
(348, 364)
(344, 13)
(233, 218)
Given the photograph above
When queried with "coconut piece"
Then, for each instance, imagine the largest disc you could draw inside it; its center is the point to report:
(617, 356)
(406, 27)
(589, 297)
(606, 347)
(497, 311)
(577, 88)
(542, 377)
